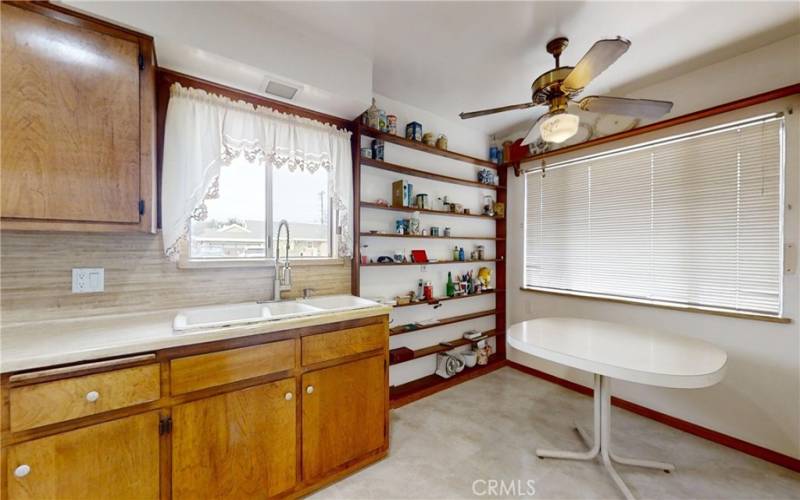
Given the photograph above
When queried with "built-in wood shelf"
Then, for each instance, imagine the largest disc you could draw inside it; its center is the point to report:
(435, 263)
(429, 237)
(366, 204)
(392, 167)
(445, 299)
(419, 146)
(417, 389)
(408, 328)
(435, 349)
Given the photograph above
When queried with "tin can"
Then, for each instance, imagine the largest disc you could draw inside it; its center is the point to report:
(382, 121)
(494, 155)
(414, 131)
(480, 250)
(447, 232)
(377, 149)
(422, 201)
(391, 124)
(434, 231)
(366, 152)
(427, 291)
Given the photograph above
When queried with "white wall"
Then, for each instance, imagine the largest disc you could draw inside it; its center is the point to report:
(388, 282)
(759, 399)
(243, 46)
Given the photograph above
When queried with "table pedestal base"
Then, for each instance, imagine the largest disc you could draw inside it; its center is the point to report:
(601, 443)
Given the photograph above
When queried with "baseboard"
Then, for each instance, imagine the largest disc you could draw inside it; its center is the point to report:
(677, 423)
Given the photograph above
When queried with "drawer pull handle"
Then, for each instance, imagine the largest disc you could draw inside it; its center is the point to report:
(310, 389)
(23, 470)
(92, 396)
(288, 396)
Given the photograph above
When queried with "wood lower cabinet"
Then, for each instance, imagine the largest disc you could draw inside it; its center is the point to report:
(344, 414)
(114, 460)
(262, 416)
(240, 444)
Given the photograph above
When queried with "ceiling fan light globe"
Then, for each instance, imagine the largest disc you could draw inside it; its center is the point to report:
(557, 128)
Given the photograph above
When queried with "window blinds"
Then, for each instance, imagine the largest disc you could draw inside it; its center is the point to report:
(693, 220)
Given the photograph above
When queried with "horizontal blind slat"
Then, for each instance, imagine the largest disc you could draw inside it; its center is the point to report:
(694, 221)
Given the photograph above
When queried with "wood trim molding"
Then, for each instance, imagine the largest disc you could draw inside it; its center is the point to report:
(168, 77)
(671, 122)
(702, 310)
(674, 422)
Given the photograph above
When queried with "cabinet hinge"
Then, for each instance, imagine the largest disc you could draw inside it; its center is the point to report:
(165, 426)
(141, 61)
(141, 207)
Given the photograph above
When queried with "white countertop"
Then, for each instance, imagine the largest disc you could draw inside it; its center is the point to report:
(625, 352)
(25, 346)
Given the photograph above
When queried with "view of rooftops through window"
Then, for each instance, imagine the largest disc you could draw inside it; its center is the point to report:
(236, 224)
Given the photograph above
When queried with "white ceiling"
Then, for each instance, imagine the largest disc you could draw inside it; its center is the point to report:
(449, 57)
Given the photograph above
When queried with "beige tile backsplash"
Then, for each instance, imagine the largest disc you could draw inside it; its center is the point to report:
(36, 277)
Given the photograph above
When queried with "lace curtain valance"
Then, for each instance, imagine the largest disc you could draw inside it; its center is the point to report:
(204, 132)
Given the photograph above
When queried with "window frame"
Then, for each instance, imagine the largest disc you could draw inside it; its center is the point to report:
(666, 136)
(186, 261)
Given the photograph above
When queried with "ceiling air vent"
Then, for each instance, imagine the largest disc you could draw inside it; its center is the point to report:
(280, 89)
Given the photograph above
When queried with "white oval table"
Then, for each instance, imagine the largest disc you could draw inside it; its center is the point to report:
(611, 350)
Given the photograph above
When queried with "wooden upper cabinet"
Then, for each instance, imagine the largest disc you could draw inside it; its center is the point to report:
(77, 122)
(344, 414)
(114, 460)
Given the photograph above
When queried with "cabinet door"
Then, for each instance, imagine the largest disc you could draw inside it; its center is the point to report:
(70, 121)
(344, 414)
(114, 460)
(236, 445)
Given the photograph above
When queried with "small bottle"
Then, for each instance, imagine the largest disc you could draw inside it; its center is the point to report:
(420, 291)
(461, 254)
(494, 151)
(451, 289)
(455, 253)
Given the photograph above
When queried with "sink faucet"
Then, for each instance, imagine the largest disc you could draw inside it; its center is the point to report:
(283, 274)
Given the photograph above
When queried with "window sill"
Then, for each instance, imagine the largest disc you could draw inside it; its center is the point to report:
(662, 305)
(257, 263)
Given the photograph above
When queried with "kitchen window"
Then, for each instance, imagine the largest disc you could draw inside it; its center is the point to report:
(693, 220)
(250, 194)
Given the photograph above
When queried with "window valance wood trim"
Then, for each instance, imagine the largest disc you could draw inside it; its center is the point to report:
(203, 132)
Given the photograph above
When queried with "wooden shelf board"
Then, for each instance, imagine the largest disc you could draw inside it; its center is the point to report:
(401, 395)
(444, 299)
(429, 237)
(435, 349)
(366, 204)
(392, 167)
(393, 264)
(419, 146)
(399, 330)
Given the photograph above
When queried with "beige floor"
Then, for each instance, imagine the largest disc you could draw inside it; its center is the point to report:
(488, 428)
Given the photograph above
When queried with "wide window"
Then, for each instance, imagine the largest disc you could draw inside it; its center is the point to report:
(693, 220)
(248, 196)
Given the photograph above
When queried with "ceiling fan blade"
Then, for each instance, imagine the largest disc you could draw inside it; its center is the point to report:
(602, 55)
(533, 133)
(643, 108)
(473, 114)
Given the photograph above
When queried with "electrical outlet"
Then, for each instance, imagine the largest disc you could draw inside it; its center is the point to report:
(88, 280)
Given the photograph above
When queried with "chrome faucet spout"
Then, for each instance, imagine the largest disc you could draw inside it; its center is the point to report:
(283, 276)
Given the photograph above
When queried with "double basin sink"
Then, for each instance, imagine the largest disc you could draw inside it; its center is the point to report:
(255, 312)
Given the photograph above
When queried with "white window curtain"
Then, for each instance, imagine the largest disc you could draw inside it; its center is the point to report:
(204, 132)
(693, 221)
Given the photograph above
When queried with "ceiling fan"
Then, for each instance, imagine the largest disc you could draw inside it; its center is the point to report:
(559, 86)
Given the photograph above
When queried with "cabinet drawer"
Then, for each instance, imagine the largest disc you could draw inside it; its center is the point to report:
(327, 346)
(193, 373)
(51, 402)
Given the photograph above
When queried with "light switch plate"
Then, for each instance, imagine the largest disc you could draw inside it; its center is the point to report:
(88, 280)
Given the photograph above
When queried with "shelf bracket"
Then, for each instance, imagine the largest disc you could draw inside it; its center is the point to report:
(517, 168)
